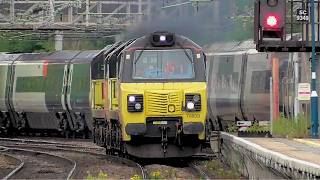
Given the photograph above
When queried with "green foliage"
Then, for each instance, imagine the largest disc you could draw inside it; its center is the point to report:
(291, 128)
(242, 31)
(244, 7)
(136, 177)
(86, 44)
(256, 128)
(101, 176)
(243, 21)
(217, 168)
(20, 42)
(156, 175)
(233, 128)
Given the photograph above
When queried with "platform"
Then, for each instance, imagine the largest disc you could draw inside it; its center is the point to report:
(273, 157)
(300, 149)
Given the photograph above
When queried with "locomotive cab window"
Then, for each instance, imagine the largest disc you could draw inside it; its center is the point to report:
(163, 64)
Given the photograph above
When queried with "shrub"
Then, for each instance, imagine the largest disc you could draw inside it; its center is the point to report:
(291, 128)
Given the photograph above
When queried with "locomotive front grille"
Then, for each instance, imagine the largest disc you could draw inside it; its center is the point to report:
(158, 103)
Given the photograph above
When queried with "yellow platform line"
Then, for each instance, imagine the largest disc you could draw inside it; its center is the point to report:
(308, 142)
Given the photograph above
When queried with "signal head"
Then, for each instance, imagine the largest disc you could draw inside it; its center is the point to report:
(272, 21)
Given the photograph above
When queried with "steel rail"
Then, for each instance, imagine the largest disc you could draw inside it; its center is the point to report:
(15, 170)
(71, 149)
(143, 171)
(202, 174)
(71, 172)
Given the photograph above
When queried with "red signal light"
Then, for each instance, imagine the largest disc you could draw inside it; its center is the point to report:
(272, 21)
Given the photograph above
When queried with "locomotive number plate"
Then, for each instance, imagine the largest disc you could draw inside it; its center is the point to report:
(193, 115)
(160, 122)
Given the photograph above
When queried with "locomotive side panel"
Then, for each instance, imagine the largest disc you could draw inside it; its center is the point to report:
(4, 74)
(7, 120)
(29, 87)
(256, 91)
(78, 95)
(39, 91)
(36, 93)
(84, 68)
(224, 85)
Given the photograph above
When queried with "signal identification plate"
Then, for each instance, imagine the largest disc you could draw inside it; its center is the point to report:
(303, 15)
(160, 122)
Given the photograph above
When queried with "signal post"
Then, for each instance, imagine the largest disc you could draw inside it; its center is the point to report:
(283, 26)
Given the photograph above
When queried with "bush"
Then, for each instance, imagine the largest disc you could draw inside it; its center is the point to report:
(291, 128)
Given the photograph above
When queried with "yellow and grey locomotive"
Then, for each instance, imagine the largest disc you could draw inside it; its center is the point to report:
(152, 100)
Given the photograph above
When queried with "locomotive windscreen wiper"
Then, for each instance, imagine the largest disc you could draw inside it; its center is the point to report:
(185, 52)
(140, 53)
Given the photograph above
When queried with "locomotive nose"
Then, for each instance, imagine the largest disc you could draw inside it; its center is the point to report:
(163, 102)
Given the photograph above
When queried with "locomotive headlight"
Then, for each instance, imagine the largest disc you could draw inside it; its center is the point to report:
(190, 105)
(137, 106)
(163, 38)
(132, 98)
(196, 98)
(135, 102)
(193, 102)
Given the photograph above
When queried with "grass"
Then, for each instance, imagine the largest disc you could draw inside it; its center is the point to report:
(291, 128)
(136, 177)
(216, 168)
(233, 128)
(256, 128)
(101, 176)
(156, 175)
(171, 173)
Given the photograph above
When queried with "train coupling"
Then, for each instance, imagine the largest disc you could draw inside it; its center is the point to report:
(164, 138)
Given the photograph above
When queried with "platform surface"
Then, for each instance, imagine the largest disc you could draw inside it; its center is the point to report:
(302, 149)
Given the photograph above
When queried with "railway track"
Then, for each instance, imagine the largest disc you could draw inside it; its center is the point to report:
(98, 152)
(76, 152)
(38, 164)
(175, 168)
(15, 169)
(55, 142)
(202, 174)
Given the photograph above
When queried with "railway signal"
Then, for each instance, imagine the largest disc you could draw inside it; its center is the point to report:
(290, 25)
(272, 19)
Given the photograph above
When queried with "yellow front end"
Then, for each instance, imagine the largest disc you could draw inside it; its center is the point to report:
(163, 101)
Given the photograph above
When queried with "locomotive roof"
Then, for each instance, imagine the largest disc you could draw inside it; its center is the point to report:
(56, 57)
(64, 55)
(230, 47)
(6, 58)
(87, 56)
(30, 57)
(145, 43)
